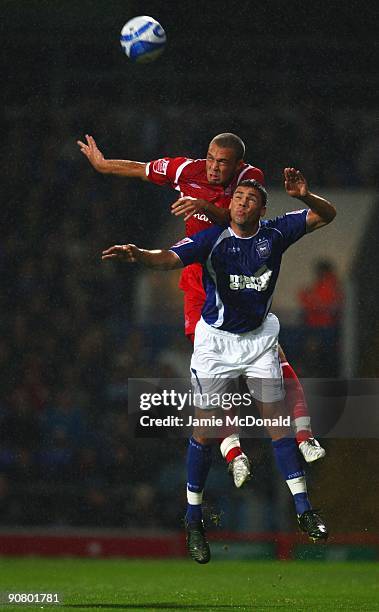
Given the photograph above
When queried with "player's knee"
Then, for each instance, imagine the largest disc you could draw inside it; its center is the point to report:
(276, 433)
(201, 439)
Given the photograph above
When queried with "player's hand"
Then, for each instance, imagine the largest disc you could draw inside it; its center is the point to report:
(124, 252)
(188, 207)
(295, 184)
(93, 153)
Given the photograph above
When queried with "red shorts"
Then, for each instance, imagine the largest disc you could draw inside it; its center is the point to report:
(194, 296)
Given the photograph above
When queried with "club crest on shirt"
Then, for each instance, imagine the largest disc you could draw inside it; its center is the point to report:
(263, 248)
(160, 166)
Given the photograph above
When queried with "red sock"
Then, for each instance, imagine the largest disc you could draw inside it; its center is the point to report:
(296, 404)
(230, 447)
(234, 452)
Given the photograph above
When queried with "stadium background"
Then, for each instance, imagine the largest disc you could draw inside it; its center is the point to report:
(299, 84)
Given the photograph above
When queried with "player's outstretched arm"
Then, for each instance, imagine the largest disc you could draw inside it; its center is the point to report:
(158, 259)
(188, 207)
(121, 167)
(321, 211)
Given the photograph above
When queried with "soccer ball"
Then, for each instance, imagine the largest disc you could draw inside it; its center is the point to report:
(143, 39)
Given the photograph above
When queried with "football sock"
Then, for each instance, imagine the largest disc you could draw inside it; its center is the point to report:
(296, 404)
(230, 447)
(289, 462)
(199, 458)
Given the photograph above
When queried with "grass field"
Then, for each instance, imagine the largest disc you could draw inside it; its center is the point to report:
(183, 585)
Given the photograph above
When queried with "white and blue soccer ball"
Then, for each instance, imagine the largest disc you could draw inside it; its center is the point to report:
(143, 39)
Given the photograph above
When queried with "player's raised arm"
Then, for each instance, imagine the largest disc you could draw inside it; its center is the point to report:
(158, 259)
(120, 167)
(321, 211)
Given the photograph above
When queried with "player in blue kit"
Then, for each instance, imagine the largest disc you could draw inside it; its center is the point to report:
(237, 335)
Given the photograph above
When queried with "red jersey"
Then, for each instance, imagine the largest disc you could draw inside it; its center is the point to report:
(190, 178)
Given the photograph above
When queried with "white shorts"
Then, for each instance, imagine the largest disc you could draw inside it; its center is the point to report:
(220, 358)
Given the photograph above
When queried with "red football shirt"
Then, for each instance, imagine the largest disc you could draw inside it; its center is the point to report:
(189, 177)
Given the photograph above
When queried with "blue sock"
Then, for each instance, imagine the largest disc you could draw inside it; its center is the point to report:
(199, 458)
(289, 462)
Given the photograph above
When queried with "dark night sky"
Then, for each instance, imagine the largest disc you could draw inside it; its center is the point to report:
(323, 47)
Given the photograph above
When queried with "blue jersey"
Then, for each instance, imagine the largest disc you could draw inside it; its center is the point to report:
(240, 274)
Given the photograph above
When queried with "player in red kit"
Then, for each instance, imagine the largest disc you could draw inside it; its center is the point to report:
(206, 187)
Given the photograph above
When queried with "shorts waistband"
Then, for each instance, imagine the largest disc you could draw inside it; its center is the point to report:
(230, 335)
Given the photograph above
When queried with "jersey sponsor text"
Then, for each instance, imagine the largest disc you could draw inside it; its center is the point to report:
(259, 282)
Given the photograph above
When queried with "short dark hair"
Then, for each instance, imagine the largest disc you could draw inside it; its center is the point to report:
(257, 186)
(230, 141)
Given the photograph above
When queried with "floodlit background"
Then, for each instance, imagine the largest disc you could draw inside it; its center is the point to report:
(298, 82)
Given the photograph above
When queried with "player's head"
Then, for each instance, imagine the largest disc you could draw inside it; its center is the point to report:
(224, 158)
(248, 203)
(253, 184)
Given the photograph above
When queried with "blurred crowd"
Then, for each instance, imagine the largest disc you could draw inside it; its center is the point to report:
(69, 339)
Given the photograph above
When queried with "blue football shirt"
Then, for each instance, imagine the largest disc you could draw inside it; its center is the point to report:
(240, 274)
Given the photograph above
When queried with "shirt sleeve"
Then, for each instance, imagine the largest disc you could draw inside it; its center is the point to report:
(163, 171)
(195, 249)
(292, 226)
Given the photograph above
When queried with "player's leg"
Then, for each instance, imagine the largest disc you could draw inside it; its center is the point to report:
(298, 410)
(269, 396)
(289, 464)
(199, 459)
(213, 377)
(237, 461)
(199, 453)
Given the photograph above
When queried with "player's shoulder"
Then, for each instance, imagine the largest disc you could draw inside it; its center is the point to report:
(273, 224)
(193, 168)
(282, 221)
(210, 234)
(166, 165)
(248, 171)
(178, 170)
(184, 168)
